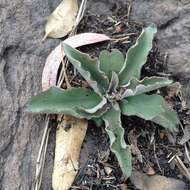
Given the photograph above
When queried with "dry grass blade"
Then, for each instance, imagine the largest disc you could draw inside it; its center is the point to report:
(186, 135)
(41, 155)
(184, 170)
(62, 20)
(187, 151)
(79, 16)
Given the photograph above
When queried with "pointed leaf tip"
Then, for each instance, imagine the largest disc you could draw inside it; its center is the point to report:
(137, 55)
(150, 107)
(136, 87)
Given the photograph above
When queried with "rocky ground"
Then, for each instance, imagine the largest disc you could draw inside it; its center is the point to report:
(22, 56)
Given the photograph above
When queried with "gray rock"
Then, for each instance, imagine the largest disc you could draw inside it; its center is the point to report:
(156, 182)
(173, 19)
(22, 56)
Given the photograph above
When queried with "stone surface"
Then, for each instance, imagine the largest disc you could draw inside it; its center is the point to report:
(173, 20)
(156, 182)
(22, 56)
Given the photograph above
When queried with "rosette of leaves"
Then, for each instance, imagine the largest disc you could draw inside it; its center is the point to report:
(115, 89)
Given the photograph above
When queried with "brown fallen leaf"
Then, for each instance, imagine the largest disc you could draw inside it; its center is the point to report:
(156, 182)
(53, 61)
(67, 152)
(62, 20)
(85, 39)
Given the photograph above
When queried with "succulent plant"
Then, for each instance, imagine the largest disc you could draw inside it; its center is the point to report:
(115, 89)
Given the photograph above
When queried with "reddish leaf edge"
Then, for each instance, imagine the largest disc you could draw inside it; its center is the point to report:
(54, 59)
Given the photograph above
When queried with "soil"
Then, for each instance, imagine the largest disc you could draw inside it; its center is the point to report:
(22, 56)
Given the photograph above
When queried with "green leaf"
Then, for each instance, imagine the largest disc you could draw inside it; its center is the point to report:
(111, 61)
(88, 68)
(118, 146)
(148, 84)
(137, 56)
(150, 107)
(97, 107)
(70, 102)
(98, 121)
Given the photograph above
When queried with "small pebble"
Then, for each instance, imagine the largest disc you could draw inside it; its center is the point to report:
(150, 171)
